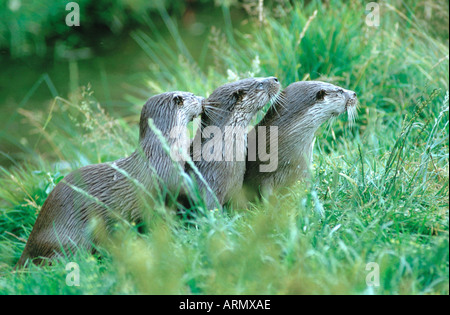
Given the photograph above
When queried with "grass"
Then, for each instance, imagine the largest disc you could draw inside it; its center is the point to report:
(379, 191)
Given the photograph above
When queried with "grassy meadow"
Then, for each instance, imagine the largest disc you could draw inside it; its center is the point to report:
(379, 190)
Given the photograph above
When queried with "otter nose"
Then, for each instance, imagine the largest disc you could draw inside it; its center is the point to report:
(350, 94)
(274, 79)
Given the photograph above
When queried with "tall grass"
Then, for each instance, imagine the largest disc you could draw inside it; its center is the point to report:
(379, 191)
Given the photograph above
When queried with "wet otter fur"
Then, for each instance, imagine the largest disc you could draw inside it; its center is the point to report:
(104, 192)
(301, 109)
(230, 107)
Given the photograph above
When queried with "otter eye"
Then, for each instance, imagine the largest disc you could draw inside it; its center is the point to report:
(178, 100)
(320, 95)
(261, 85)
(341, 91)
(239, 95)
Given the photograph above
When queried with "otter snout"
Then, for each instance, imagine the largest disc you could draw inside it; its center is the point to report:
(351, 106)
(351, 99)
(272, 86)
(198, 105)
(269, 81)
(272, 81)
(202, 101)
(350, 95)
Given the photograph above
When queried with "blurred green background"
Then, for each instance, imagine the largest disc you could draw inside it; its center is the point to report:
(42, 57)
(72, 96)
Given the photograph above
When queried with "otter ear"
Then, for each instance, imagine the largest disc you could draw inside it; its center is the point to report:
(178, 100)
(239, 95)
(320, 95)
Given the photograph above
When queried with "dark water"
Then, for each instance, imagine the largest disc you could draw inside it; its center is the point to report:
(115, 67)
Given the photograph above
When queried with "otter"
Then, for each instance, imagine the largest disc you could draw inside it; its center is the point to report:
(108, 191)
(301, 109)
(221, 159)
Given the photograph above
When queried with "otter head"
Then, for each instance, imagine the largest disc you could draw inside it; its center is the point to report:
(242, 98)
(169, 110)
(320, 100)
